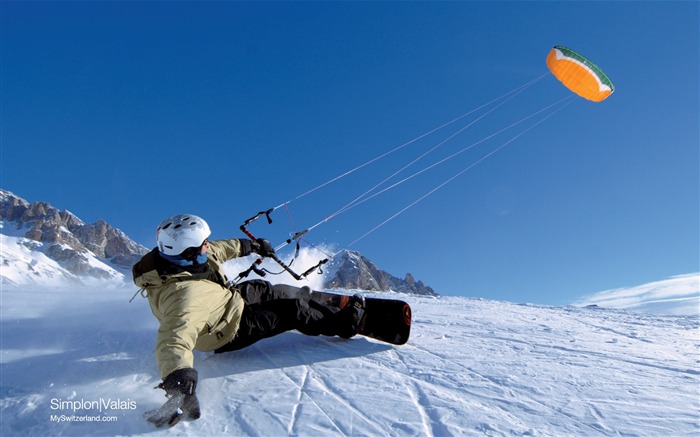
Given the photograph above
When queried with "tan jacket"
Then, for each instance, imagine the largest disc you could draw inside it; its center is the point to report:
(193, 314)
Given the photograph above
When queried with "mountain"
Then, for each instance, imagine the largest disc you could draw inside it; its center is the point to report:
(677, 295)
(80, 363)
(350, 270)
(47, 246)
(44, 245)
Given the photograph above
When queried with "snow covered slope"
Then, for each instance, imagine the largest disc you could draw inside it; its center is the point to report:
(679, 295)
(25, 263)
(471, 367)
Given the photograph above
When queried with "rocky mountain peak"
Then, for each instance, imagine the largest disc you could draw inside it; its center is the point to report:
(351, 270)
(67, 240)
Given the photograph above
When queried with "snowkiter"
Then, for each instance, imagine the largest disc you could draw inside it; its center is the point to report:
(196, 308)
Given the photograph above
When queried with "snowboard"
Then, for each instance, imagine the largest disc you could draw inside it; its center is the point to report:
(387, 320)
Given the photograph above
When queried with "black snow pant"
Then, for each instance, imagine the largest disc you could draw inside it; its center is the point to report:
(272, 310)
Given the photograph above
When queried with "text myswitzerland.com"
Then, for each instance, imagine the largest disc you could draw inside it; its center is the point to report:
(85, 418)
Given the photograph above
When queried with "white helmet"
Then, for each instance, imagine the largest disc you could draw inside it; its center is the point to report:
(179, 232)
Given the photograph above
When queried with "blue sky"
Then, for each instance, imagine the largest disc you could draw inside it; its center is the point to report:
(131, 112)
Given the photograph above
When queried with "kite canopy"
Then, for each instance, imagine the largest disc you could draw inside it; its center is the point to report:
(579, 74)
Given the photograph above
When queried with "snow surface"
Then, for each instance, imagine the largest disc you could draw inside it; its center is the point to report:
(471, 367)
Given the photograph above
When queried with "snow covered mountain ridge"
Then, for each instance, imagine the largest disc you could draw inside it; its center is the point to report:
(679, 295)
(350, 270)
(42, 245)
(45, 246)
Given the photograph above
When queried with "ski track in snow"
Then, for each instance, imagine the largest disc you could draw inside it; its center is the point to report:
(471, 367)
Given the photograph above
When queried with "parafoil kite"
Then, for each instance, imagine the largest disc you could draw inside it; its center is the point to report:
(579, 74)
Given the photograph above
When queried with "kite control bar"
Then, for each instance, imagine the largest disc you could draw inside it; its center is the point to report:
(257, 216)
(262, 271)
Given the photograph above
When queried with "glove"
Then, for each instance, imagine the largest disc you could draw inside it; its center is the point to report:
(182, 401)
(263, 247)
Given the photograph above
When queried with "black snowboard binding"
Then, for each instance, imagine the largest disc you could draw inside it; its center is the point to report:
(351, 316)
